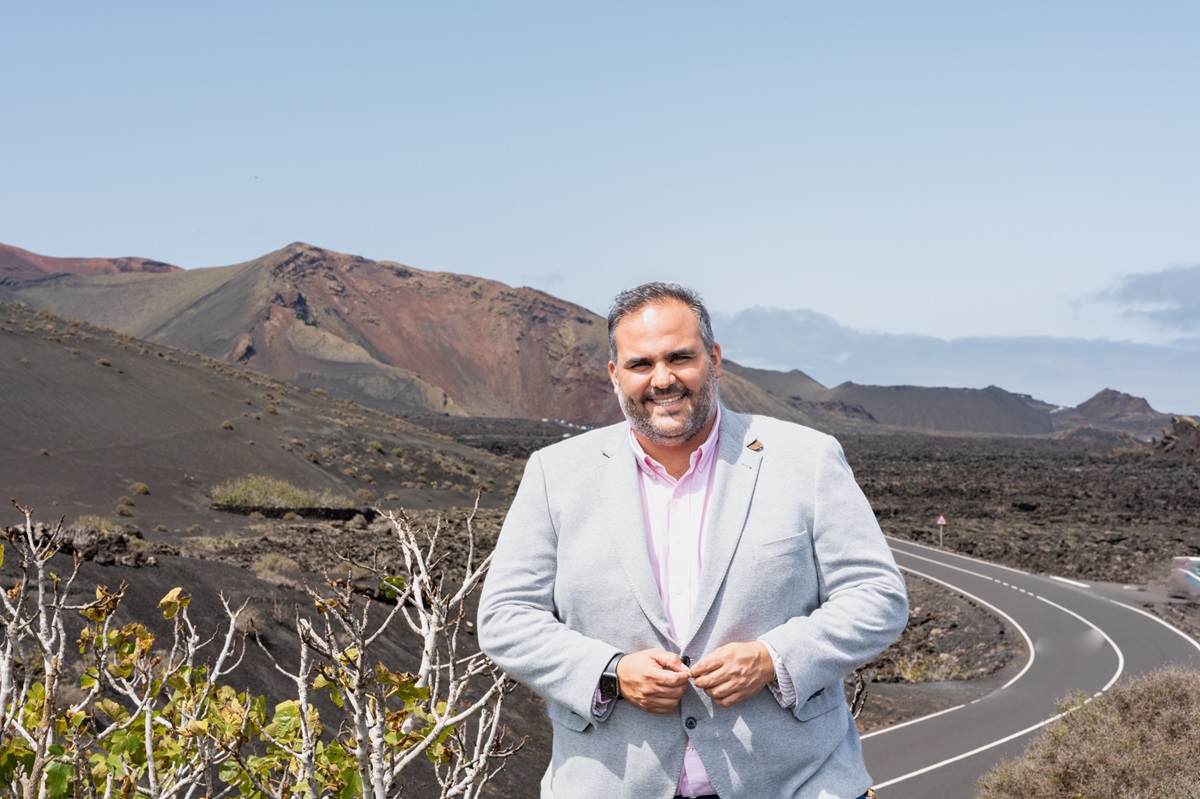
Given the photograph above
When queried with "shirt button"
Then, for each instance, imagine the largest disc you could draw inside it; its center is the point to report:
(690, 723)
(687, 661)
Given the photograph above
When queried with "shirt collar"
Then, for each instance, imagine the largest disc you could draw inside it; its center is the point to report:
(701, 459)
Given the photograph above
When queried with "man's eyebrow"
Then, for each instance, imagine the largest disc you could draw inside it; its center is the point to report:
(639, 360)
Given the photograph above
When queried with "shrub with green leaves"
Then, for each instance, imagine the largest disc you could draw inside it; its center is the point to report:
(1138, 740)
(123, 711)
(261, 491)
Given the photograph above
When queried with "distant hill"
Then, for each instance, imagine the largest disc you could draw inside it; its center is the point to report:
(990, 410)
(1108, 404)
(17, 265)
(1111, 411)
(409, 341)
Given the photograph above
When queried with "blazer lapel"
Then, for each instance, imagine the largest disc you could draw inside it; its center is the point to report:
(622, 514)
(736, 472)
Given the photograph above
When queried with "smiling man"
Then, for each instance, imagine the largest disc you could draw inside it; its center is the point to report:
(688, 589)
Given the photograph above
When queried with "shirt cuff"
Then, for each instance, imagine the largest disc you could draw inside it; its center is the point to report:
(781, 687)
(602, 709)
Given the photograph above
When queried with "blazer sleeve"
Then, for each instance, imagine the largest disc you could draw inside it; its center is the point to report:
(518, 625)
(862, 600)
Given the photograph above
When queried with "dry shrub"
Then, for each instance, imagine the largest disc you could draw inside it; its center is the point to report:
(1137, 741)
(275, 567)
(139, 488)
(93, 523)
(261, 491)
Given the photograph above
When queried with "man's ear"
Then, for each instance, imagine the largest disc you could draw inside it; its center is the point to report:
(612, 374)
(716, 358)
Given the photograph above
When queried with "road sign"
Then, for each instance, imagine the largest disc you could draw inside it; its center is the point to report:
(941, 522)
(941, 525)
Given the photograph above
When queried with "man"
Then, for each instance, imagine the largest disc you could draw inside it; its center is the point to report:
(688, 589)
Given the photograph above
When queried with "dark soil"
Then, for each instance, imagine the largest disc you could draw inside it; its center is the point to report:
(1050, 507)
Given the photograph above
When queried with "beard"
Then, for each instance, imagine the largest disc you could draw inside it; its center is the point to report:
(672, 431)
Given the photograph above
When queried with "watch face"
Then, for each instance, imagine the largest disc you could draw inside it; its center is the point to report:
(609, 686)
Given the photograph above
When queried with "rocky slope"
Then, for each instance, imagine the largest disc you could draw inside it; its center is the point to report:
(88, 412)
(1181, 440)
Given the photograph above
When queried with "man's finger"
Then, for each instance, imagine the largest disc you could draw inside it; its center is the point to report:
(652, 679)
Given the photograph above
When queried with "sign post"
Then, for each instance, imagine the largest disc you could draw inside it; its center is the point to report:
(941, 525)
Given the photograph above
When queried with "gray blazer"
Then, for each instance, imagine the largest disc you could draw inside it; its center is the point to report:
(793, 555)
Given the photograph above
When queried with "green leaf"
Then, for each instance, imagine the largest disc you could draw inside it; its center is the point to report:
(58, 778)
(392, 587)
(353, 786)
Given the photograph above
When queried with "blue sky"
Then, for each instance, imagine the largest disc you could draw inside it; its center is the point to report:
(955, 194)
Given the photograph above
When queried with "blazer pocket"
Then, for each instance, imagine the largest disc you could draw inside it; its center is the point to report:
(781, 546)
(821, 703)
(566, 717)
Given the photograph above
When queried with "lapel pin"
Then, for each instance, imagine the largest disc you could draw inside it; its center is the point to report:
(755, 446)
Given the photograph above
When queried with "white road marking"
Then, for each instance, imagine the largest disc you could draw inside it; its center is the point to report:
(1163, 622)
(1075, 583)
(1120, 661)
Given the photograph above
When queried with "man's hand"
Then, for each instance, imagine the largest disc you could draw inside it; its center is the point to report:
(653, 679)
(734, 672)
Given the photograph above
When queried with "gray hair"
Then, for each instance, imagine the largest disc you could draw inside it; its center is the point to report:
(634, 299)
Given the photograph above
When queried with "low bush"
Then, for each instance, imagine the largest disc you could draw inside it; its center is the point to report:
(94, 523)
(1138, 740)
(261, 491)
(139, 488)
(275, 564)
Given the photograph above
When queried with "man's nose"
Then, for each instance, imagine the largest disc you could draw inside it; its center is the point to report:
(663, 377)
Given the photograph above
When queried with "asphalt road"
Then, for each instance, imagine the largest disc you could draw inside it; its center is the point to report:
(1079, 637)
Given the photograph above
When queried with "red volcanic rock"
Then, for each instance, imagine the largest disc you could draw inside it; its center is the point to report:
(1109, 403)
(492, 349)
(19, 265)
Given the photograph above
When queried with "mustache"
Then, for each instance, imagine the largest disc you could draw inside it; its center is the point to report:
(660, 393)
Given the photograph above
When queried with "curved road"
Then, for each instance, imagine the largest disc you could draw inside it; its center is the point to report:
(1079, 638)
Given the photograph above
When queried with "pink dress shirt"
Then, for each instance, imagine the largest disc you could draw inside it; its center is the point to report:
(674, 512)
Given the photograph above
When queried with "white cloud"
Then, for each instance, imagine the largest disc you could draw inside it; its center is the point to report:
(1169, 299)
(1063, 371)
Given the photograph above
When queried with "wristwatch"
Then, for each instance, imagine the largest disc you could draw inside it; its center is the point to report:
(610, 686)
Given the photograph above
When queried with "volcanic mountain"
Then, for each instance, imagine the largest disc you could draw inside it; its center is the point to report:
(388, 335)
(410, 341)
(395, 337)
